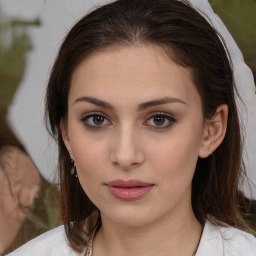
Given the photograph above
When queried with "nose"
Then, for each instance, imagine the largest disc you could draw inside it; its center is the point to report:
(127, 149)
(28, 194)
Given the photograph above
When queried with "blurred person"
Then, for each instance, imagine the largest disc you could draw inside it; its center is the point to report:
(19, 186)
(27, 199)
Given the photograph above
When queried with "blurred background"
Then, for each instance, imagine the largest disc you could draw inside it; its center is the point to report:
(239, 16)
(30, 34)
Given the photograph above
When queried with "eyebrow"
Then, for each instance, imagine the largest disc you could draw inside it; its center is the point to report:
(141, 106)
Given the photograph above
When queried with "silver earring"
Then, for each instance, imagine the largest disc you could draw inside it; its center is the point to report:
(73, 168)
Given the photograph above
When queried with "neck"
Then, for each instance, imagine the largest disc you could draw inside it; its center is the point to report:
(163, 237)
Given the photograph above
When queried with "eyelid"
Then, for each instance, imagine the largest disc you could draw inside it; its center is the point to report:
(86, 115)
(170, 118)
(91, 114)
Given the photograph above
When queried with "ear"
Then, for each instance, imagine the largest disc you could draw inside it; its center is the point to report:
(65, 137)
(214, 131)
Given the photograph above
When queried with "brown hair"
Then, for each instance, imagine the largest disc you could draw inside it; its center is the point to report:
(192, 43)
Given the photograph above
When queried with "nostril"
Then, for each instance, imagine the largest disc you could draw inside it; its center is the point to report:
(115, 164)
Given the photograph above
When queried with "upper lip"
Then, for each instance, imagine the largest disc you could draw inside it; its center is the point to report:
(128, 183)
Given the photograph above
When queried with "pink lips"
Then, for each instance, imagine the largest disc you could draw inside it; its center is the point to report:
(129, 190)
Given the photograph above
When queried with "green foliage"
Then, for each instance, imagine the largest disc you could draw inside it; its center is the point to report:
(14, 45)
(43, 213)
(12, 63)
(35, 22)
(240, 18)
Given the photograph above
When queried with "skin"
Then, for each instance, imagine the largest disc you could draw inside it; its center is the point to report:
(131, 145)
(19, 185)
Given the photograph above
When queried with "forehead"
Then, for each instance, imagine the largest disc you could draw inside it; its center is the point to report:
(136, 71)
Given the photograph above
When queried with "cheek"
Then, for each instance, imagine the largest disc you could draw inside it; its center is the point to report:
(90, 167)
(89, 154)
(175, 156)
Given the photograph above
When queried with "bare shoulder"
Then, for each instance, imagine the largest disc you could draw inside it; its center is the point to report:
(53, 242)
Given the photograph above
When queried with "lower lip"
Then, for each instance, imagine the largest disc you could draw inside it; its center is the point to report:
(129, 193)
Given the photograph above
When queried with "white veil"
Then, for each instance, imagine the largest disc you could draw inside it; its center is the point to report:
(246, 88)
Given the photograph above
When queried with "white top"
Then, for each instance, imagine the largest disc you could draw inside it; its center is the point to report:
(215, 241)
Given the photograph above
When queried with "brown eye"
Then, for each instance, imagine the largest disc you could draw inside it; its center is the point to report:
(95, 120)
(160, 121)
(98, 120)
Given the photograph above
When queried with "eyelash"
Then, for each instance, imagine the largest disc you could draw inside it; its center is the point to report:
(93, 114)
(167, 117)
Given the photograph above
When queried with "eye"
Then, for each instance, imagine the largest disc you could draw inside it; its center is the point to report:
(160, 120)
(95, 120)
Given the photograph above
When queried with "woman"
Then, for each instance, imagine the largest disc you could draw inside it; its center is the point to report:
(19, 185)
(141, 100)
(18, 173)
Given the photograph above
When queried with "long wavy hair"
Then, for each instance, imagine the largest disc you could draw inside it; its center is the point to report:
(191, 42)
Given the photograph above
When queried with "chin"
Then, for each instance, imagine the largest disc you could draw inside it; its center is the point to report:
(128, 217)
(131, 222)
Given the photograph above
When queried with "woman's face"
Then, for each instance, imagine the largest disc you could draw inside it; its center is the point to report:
(19, 185)
(135, 129)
